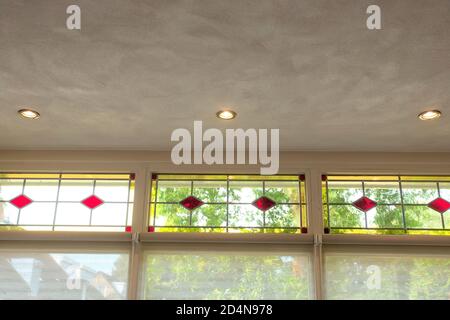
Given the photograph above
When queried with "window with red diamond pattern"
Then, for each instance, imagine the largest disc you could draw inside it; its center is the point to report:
(227, 203)
(66, 202)
(386, 204)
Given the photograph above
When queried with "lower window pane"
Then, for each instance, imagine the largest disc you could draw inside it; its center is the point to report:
(63, 274)
(388, 273)
(224, 273)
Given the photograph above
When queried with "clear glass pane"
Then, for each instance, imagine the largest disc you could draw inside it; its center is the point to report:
(211, 191)
(72, 214)
(210, 215)
(227, 275)
(130, 214)
(383, 192)
(346, 216)
(173, 191)
(76, 190)
(37, 274)
(283, 216)
(172, 215)
(245, 191)
(447, 220)
(419, 192)
(390, 275)
(344, 192)
(445, 190)
(422, 217)
(112, 191)
(384, 216)
(41, 190)
(282, 192)
(8, 213)
(9, 189)
(37, 214)
(245, 215)
(110, 214)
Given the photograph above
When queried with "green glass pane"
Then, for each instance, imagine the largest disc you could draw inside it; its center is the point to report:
(211, 191)
(383, 192)
(344, 192)
(346, 216)
(245, 191)
(153, 191)
(282, 192)
(171, 215)
(173, 191)
(151, 214)
(326, 223)
(210, 215)
(265, 178)
(304, 216)
(283, 216)
(190, 229)
(191, 177)
(422, 217)
(10, 188)
(303, 192)
(362, 178)
(384, 216)
(425, 178)
(245, 216)
(419, 192)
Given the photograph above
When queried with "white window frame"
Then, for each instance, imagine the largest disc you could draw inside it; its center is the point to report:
(144, 164)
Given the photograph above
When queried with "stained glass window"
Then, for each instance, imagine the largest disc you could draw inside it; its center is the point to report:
(66, 202)
(386, 204)
(228, 203)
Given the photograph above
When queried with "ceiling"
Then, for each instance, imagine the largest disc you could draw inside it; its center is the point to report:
(139, 69)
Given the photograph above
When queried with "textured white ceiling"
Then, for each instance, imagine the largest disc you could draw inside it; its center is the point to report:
(139, 69)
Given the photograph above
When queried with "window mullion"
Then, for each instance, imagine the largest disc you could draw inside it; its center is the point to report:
(314, 201)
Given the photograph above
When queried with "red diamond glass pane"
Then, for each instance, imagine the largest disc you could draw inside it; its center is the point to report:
(264, 203)
(440, 205)
(92, 202)
(191, 203)
(21, 201)
(364, 204)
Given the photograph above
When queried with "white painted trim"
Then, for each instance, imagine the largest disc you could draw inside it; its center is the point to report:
(174, 237)
(63, 236)
(389, 240)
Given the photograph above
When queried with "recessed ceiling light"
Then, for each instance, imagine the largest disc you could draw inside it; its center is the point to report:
(226, 114)
(28, 113)
(430, 115)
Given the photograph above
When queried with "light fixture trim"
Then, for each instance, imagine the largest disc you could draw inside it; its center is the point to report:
(29, 114)
(226, 114)
(430, 115)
